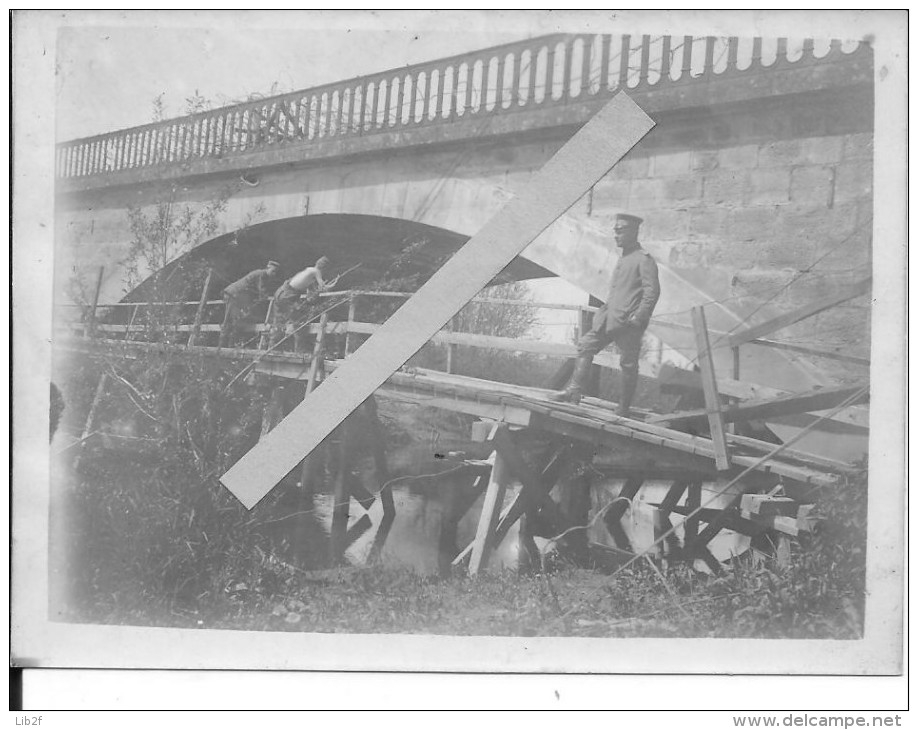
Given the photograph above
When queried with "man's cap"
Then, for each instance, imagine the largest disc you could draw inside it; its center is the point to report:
(274, 263)
(628, 218)
(322, 261)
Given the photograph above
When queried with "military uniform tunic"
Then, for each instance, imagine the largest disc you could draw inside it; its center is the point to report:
(633, 294)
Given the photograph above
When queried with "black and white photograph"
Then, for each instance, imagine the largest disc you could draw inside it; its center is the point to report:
(492, 341)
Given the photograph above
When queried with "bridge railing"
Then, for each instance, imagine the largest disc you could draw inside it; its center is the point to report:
(541, 72)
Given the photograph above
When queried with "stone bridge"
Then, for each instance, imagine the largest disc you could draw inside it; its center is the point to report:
(756, 183)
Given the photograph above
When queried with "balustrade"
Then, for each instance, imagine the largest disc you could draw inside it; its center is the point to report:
(541, 72)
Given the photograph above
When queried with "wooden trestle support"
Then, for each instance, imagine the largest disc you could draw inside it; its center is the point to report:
(769, 503)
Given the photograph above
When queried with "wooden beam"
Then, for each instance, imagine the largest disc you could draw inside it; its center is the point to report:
(797, 315)
(199, 312)
(357, 530)
(534, 489)
(814, 351)
(351, 317)
(672, 377)
(813, 400)
(692, 505)
(584, 159)
(709, 386)
(490, 514)
(379, 455)
(342, 497)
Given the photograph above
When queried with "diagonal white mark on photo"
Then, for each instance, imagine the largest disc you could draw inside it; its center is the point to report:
(561, 182)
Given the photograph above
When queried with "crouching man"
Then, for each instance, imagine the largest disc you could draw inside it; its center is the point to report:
(242, 295)
(633, 294)
(287, 307)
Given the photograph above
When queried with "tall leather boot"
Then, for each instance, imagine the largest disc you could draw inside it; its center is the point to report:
(574, 390)
(629, 385)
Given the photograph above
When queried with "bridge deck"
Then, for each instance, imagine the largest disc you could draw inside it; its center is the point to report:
(593, 420)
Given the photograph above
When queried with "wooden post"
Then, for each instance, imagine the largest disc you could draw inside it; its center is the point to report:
(692, 502)
(312, 459)
(341, 505)
(621, 504)
(199, 314)
(379, 456)
(89, 331)
(709, 385)
(318, 354)
(90, 417)
(671, 549)
(265, 333)
(351, 318)
(490, 513)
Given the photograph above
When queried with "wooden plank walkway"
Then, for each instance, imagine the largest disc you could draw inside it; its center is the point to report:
(593, 420)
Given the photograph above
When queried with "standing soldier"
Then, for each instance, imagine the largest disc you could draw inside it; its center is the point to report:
(310, 281)
(241, 296)
(633, 294)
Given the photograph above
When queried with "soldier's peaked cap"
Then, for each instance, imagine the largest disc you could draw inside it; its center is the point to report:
(628, 218)
(274, 263)
(322, 261)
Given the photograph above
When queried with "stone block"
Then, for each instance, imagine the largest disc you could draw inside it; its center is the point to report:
(705, 160)
(686, 255)
(853, 180)
(798, 224)
(768, 186)
(645, 194)
(821, 150)
(751, 224)
(738, 158)
(782, 253)
(707, 223)
(610, 196)
(681, 191)
(724, 187)
(666, 225)
(859, 146)
(783, 152)
(812, 185)
(671, 163)
(630, 167)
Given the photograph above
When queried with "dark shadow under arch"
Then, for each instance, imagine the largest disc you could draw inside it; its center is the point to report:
(347, 239)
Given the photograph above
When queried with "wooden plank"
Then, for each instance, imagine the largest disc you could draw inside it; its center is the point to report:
(797, 315)
(561, 182)
(814, 351)
(678, 378)
(813, 400)
(803, 457)
(490, 514)
(199, 313)
(709, 386)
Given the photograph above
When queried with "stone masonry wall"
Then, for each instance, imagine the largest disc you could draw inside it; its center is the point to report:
(784, 222)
